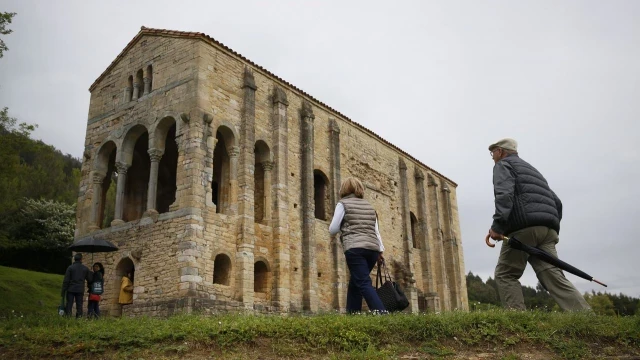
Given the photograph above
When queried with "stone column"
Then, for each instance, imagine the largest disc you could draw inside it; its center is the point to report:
(439, 255)
(147, 85)
(246, 171)
(127, 94)
(122, 178)
(136, 91)
(451, 250)
(267, 166)
(96, 201)
(280, 222)
(309, 268)
(339, 264)
(155, 155)
(430, 291)
(410, 290)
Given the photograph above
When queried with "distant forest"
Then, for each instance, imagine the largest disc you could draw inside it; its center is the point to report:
(483, 296)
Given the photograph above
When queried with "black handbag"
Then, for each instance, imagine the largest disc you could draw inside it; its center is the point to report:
(392, 296)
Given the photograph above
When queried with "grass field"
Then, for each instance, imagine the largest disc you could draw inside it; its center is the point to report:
(33, 331)
(26, 292)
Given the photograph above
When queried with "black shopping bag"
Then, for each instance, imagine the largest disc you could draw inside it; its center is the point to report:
(392, 296)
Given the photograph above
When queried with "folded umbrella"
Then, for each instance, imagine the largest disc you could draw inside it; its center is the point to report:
(546, 257)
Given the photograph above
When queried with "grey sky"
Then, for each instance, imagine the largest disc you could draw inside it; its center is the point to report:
(441, 80)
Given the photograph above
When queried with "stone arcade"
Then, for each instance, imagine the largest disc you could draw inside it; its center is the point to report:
(225, 178)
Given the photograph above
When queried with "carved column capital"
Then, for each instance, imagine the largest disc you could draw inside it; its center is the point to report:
(267, 166)
(234, 151)
(445, 187)
(307, 111)
(155, 154)
(403, 165)
(333, 126)
(146, 80)
(279, 96)
(207, 118)
(431, 181)
(122, 168)
(418, 175)
(248, 80)
(97, 178)
(184, 117)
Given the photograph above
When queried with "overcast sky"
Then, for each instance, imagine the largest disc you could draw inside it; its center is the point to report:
(441, 80)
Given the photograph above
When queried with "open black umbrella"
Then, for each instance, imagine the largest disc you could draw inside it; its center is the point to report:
(546, 257)
(92, 245)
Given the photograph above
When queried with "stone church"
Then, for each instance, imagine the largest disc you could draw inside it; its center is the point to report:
(217, 181)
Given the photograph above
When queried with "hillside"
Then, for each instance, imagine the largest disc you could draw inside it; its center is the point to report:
(28, 293)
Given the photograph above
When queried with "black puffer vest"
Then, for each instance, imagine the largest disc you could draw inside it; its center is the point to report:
(534, 203)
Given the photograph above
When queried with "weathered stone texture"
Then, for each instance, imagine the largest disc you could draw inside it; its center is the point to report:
(276, 139)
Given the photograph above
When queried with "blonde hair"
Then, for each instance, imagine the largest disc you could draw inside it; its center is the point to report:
(352, 186)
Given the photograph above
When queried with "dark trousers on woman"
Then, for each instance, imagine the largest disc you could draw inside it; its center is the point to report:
(93, 309)
(360, 263)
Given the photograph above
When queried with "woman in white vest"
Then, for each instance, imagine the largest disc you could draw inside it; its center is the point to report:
(357, 222)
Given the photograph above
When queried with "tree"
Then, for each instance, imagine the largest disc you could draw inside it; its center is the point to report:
(600, 303)
(5, 18)
(45, 224)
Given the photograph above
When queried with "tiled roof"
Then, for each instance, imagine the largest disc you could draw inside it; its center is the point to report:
(207, 38)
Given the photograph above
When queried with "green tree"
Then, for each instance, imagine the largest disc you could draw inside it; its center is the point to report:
(45, 224)
(600, 303)
(5, 18)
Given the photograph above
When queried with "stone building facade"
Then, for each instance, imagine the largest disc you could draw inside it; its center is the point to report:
(225, 179)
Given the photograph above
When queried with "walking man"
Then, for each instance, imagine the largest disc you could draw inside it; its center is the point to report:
(527, 208)
(74, 284)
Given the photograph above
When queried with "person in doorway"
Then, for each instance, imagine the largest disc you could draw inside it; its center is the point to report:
(96, 287)
(527, 208)
(126, 290)
(74, 283)
(357, 221)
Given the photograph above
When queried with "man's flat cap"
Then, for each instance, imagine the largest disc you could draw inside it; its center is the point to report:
(507, 144)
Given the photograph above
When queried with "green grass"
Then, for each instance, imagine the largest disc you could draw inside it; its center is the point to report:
(560, 335)
(28, 292)
(31, 330)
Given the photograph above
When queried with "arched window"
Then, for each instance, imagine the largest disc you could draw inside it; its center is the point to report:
(148, 87)
(220, 184)
(262, 182)
(260, 277)
(129, 91)
(167, 169)
(320, 194)
(414, 231)
(105, 166)
(135, 147)
(221, 269)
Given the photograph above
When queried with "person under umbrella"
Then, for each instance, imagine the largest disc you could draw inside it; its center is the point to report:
(526, 208)
(74, 283)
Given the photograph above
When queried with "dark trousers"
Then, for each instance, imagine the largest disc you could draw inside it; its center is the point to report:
(93, 309)
(360, 263)
(77, 297)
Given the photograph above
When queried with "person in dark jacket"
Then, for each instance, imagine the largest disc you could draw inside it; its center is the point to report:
(527, 208)
(74, 283)
(96, 287)
(357, 221)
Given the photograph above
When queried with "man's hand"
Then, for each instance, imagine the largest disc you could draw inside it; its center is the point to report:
(495, 236)
(380, 259)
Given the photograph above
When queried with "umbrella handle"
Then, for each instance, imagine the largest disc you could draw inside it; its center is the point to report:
(489, 244)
